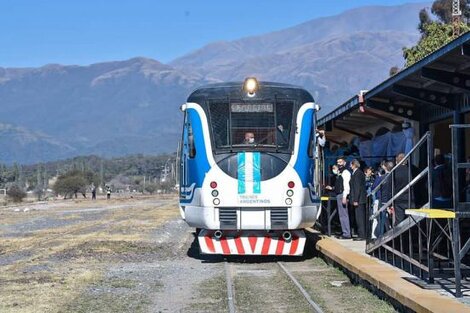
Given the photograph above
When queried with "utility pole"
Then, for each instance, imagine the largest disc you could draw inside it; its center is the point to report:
(456, 13)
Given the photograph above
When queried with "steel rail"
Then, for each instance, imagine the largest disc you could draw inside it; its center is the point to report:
(230, 292)
(312, 303)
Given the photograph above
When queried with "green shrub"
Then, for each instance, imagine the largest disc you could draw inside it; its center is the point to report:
(16, 193)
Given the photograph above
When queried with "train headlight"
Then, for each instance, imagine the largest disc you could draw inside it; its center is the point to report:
(216, 201)
(250, 86)
(215, 193)
(288, 201)
(290, 193)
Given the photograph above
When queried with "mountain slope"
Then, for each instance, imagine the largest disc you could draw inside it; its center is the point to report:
(332, 70)
(111, 108)
(402, 18)
(23, 145)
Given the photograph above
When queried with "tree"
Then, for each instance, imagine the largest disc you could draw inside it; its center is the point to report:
(151, 188)
(39, 190)
(435, 36)
(424, 19)
(16, 193)
(394, 70)
(442, 9)
(436, 33)
(72, 183)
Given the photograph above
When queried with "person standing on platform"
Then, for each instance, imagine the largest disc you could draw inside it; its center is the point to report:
(358, 198)
(342, 181)
(332, 189)
(441, 183)
(370, 178)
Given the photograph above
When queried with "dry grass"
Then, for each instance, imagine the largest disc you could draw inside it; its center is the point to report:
(46, 269)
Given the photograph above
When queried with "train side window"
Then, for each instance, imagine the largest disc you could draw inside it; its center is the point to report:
(191, 145)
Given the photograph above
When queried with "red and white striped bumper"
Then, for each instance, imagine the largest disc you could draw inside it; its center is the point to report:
(251, 243)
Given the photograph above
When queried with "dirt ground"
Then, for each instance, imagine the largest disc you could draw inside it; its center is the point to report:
(137, 255)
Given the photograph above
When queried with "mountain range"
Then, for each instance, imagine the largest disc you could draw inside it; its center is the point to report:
(132, 106)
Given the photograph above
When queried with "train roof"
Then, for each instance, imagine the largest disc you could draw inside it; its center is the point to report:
(234, 89)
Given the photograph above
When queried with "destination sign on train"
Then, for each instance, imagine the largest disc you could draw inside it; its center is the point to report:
(255, 107)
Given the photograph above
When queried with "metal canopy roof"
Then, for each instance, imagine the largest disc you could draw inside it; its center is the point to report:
(429, 90)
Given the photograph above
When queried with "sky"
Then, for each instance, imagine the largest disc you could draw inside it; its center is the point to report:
(38, 32)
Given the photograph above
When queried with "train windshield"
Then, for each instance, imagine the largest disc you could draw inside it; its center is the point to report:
(245, 126)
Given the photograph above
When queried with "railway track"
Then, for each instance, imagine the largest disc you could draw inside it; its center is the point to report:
(232, 291)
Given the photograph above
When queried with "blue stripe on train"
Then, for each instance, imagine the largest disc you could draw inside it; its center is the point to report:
(241, 173)
(256, 172)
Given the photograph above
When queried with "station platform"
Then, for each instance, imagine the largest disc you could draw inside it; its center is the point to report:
(390, 282)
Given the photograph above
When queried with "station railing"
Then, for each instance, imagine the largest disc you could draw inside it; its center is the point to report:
(415, 176)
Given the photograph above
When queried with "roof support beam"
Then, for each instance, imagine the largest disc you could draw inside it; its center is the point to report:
(426, 96)
(457, 80)
(382, 117)
(409, 113)
(365, 136)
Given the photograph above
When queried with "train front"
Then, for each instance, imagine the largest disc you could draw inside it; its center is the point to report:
(248, 167)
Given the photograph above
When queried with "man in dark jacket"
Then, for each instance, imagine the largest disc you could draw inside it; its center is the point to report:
(358, 198)
(441, 183)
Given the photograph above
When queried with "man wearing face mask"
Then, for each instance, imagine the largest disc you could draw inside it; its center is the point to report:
(249, 138)
(342, 191)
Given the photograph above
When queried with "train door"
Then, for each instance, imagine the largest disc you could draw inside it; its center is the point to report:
(188, 151)
(316, 154)
(184, 155)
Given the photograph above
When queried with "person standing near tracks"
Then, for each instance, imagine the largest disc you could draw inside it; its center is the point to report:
(108, 192)
(358, 198)
(93, 191)
(342, 181)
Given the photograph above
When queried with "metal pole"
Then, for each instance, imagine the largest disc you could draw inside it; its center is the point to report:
(328, 209)
(393, 202)
(456, 250)
(420, 249)
(429, 160)
(428, 252)
(409, 180)
(456, 228)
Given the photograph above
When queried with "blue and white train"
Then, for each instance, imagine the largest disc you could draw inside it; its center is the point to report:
(247, 167)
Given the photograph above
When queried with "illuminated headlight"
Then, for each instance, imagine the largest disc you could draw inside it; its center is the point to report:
(290, 193)
(216, 201)
(250, 86)
(288, 201)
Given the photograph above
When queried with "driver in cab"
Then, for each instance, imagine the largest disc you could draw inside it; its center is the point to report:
(249, 138)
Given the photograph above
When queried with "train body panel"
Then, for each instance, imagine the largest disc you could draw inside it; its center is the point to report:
(240, 188)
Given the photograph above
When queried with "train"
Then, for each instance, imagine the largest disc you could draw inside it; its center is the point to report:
(248, 162)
